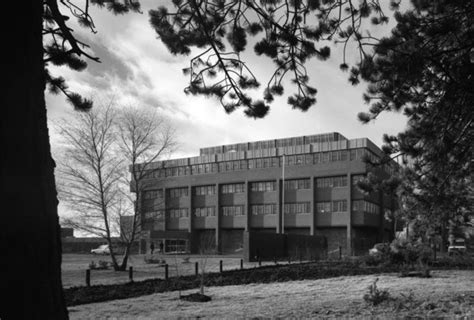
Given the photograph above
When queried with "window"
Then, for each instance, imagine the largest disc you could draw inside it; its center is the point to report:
(204, 212)
(176, 245)
(331, 182)
(323, 207)
(178, 213)
(297, 208)
(365, 206)
(178, 192)
(233, 188)
(232, 211)
(295, 184)
(153, 194)
(331, 206)
(263, 186)
(263, 209)
(339, 206)
(205, 190)
(154, 215)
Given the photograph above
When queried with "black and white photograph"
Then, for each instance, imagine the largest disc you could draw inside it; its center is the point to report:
(237, 159)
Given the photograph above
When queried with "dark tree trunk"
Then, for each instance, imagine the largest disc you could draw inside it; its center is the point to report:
(30, 243)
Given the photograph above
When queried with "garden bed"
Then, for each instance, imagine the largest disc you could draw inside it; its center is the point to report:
(266, 274)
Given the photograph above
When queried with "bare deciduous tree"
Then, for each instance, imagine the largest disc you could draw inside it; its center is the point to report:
(103, 148)
(143, 137)
(89, 173)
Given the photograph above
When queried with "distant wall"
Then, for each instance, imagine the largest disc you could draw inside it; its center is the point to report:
(268, 246)
(67, 232)
(84, 245)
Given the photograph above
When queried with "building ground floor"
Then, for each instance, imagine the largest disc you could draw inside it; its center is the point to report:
(356, 241)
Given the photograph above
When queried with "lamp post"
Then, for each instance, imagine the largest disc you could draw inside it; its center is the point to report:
(283, 195)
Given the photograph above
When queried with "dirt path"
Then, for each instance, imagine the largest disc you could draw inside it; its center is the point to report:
(447, 294)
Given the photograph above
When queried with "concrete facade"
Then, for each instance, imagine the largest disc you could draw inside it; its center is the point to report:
(210, 200)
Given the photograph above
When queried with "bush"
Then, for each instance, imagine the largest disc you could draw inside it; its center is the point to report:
(409, 252)
(372, 260)
(154, 260)
(101, 265)
(458, 261)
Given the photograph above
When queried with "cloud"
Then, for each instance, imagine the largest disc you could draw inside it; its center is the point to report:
(137, 69)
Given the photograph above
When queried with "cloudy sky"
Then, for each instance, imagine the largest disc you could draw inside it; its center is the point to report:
(137, 69)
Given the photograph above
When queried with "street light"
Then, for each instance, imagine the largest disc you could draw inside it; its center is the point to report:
(283, 195)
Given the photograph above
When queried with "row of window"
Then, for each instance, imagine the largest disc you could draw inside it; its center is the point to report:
(178, 213)
(154, 215)
(261, 186)
(331, 182)
(331, 206)
(263, 209)
(365, 206)
(297, 208)
(153, 194)
(205, 190)
(178, 192)
(204, 212)
(268, 162)
(269, 208)
(232, 211)
(269, 144)
(233, 188)
(296, 184)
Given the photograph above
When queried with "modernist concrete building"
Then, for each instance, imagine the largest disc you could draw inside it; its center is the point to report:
(299, 185)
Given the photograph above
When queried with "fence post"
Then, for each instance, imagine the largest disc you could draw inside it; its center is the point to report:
(340, 252)
(166, 272)
(196, 268)
(130, 274)
(220, 266)
(88, 277)
(241, 264)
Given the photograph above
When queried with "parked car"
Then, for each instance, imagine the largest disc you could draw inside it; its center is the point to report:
(458, 246)
(102, 249)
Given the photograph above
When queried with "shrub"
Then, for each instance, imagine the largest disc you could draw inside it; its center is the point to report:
(375, 295)
(408, 252)
(92, 265)
(154, 260)
(458, 261)
(372, 260)
(101, 265)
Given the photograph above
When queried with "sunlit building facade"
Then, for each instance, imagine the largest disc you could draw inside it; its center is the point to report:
(303, 185)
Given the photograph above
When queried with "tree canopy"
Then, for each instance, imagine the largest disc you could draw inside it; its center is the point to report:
(289, 33)
(425, 68)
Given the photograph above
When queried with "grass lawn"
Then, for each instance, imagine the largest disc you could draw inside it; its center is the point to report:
(447, 295)
(74, 268)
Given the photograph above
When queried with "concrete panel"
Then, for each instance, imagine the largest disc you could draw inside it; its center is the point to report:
(365, 219)
(297, 220)
(339, 193)
(204, 201)
(204, 222)
(263, 197)
(263, 221)
(233, 222)
(331, 219)
(173, 224)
